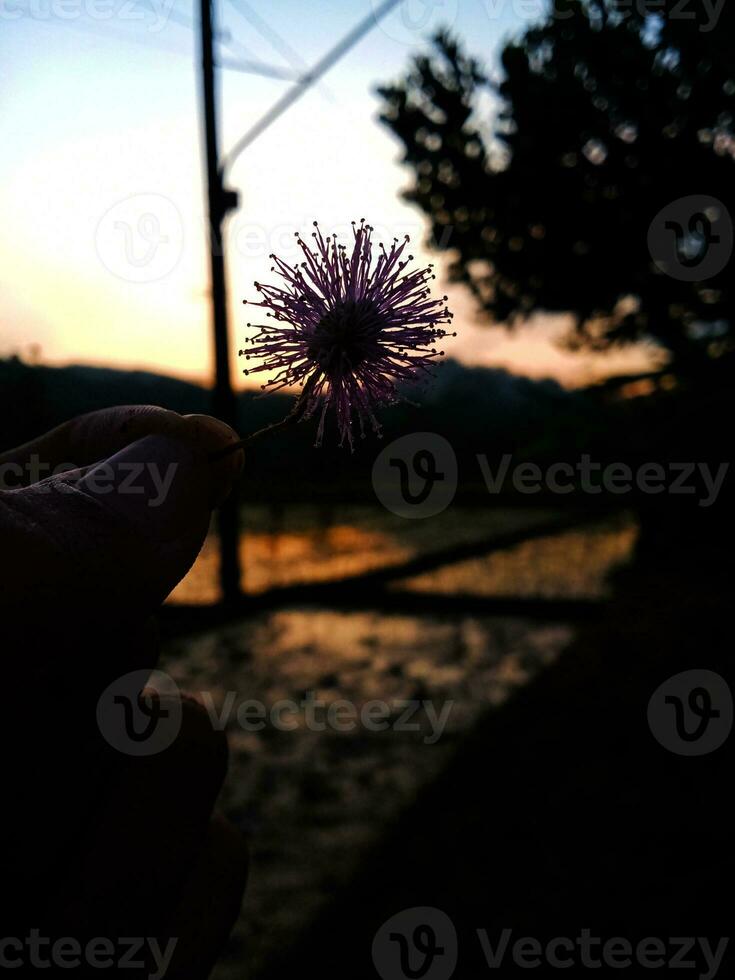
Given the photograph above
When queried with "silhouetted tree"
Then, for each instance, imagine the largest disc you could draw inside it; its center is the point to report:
(543, 185)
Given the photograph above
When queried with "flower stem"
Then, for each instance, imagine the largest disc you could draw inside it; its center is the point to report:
(247, 440)
(295, 415)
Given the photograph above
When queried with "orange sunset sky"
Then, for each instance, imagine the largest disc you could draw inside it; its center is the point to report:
(102, 250)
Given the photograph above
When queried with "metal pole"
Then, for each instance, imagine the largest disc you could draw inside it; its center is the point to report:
(220, 201)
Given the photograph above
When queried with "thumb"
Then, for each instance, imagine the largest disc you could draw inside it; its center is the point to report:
(117, 536)
(160, 492)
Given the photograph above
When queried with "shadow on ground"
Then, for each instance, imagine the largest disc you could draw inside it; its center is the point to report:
(561, 812)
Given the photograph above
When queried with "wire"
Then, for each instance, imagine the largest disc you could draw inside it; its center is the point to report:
(250, 65)
(224, 36)
(257, 68)
(304, 83)
(271, 36)
(178, 18)
(246, 62)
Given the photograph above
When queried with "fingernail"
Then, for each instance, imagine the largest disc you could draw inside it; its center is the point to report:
(210, 430)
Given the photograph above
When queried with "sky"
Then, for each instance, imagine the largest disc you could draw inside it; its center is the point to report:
(102, 249)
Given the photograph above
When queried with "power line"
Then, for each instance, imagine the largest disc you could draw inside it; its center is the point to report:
(250, 65)
(181, 19)
(304, 83)
(256, 68)
(224, 36)
(245, 60)
(271, 36)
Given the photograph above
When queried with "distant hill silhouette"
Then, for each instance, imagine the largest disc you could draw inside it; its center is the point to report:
(480, 410)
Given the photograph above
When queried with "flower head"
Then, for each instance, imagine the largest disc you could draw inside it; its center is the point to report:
(349, 330)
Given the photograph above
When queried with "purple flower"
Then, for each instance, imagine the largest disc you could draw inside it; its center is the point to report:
(348, 330)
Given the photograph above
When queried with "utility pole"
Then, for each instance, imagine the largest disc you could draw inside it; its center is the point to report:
(220, 201)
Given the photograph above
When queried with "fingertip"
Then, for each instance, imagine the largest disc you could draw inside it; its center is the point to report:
(211, 436)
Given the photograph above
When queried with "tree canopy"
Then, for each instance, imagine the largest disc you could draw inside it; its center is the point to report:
(546, 185)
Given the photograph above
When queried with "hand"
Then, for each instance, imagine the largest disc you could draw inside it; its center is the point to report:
(99, 520)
